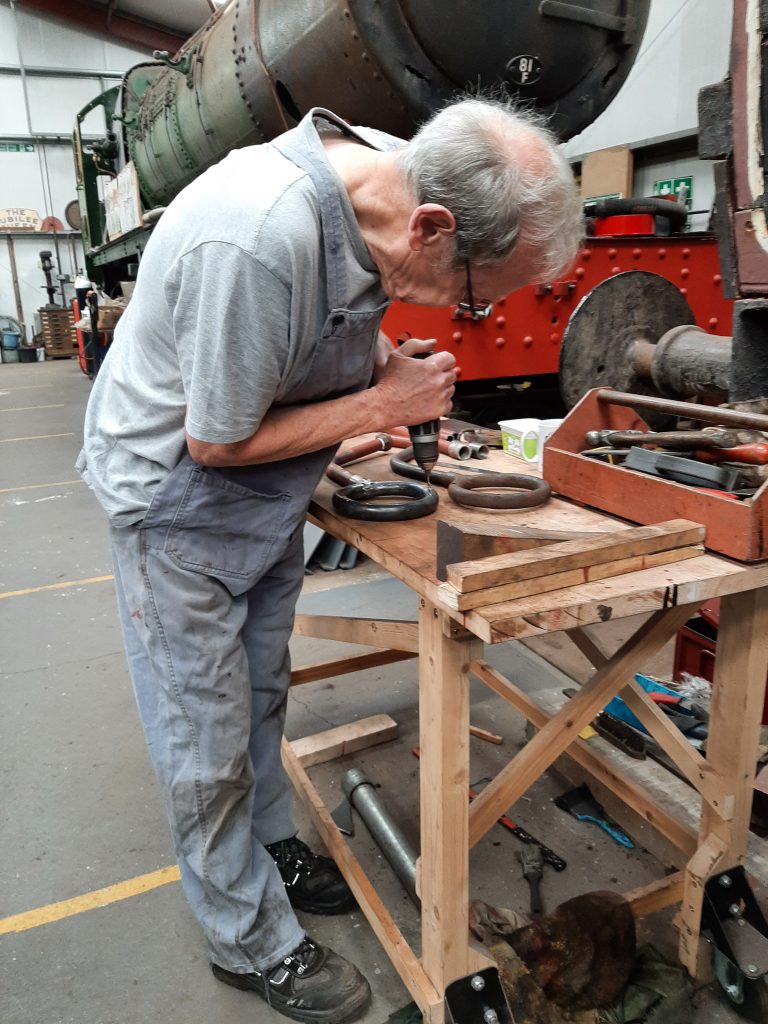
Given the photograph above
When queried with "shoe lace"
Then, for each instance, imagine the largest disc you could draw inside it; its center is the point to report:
(300, 960)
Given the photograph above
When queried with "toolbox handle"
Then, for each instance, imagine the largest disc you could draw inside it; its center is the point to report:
(707, 413)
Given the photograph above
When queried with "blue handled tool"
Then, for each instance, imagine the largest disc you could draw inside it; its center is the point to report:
(582, 805)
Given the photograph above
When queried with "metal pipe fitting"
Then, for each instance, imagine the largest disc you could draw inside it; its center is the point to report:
(387, 835)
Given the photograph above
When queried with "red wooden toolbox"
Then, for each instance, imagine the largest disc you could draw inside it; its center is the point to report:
(738, 529)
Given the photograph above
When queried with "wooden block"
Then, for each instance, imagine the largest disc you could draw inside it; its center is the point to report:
(344, 739)
(460, 542)
(574, 554)
(561, 580)
(344, 666)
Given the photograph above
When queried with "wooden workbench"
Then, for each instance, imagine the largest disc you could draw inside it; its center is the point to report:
(449, 645)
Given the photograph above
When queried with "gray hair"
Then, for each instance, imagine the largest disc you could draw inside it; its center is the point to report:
(464, 159)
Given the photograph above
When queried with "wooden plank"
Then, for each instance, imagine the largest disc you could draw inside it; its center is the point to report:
(462, 542)
(534, 759)
(444, 780)
(403, 959)
(709, 858)
(344, 739)
(695, 580)
(663, 893)
(343, 666)
(698, 770)
(618, 782)
(484, 573)
(483, 734)
(558, 581)
(389, 633)
(736, 712)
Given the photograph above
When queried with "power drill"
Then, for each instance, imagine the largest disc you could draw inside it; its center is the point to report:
(424, 438)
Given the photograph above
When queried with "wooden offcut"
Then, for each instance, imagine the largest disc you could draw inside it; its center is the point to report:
(344, 739)
(561, 580)
(574, 554)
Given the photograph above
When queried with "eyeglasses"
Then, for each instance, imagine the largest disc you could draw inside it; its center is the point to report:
(475, 310)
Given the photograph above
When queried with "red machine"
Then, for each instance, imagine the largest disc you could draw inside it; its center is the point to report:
(521, 338)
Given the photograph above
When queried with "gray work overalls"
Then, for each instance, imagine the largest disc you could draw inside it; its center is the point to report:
(207, 585)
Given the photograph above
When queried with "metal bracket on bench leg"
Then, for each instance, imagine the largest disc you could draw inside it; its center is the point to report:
(738, 931)
(477, 999)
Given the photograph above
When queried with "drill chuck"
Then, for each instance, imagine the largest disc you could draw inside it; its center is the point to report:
(425, 438)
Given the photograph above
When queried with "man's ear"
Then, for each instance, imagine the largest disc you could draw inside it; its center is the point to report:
(428, 224)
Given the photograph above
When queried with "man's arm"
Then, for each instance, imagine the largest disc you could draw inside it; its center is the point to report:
(407, 391)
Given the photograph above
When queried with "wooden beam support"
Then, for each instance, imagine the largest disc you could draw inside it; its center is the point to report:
(389, 633)
(444, 775)
(537, 755)
(649, 899)
(699, 771)
(344, 739)
(343, 666)
(598, 767)
(709, 858)
(403, 959)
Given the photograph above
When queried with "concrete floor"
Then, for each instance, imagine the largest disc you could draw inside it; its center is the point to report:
(81, 810)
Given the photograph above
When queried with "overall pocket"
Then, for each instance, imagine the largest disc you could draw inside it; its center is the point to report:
(224, 530)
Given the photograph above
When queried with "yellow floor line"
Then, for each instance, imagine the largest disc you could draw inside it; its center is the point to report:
(35, 487)
(88, 901)
(32, 408)
(56, 586)
(34, 437)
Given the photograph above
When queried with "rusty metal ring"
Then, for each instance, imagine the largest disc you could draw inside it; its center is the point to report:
(527, 491)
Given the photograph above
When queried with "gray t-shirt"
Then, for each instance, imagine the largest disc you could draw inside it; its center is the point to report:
(229, 301)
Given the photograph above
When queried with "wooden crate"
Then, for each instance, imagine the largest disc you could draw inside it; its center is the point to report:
(59, 335)
(738, 529)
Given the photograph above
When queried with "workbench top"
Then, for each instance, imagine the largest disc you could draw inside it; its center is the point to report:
(408, 551)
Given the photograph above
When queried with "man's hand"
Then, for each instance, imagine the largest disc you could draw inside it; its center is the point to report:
(412, 390)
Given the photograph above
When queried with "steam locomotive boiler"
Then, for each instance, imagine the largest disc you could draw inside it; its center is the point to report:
(257, 66)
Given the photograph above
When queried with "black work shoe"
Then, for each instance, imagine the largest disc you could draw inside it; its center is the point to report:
(314, 884)
(311, 984)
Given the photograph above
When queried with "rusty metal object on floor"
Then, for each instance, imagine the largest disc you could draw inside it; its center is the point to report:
(581, 954)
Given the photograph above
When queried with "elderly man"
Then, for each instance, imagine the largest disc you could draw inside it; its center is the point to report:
(248, 352)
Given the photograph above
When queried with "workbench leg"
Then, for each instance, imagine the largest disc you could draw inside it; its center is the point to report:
(734, 734)
(444, 771)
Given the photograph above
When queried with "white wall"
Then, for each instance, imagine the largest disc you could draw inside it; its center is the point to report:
(44, 179)
(686, 46)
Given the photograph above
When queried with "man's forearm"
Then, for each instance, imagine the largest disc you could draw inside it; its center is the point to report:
(295, 430)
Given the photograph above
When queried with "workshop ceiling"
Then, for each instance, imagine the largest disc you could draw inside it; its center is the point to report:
(143, 23)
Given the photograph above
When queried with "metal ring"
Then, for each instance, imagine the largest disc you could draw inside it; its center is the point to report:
(357, 501)
(528, 491)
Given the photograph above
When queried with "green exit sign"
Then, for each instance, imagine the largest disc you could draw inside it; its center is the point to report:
(680, 188)
(16, 147)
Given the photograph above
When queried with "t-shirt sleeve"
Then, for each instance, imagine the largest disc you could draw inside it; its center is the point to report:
(230, 319)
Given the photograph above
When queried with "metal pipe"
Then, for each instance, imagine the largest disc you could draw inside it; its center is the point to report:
(690, 410)
(386, 834)
(15, 279)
